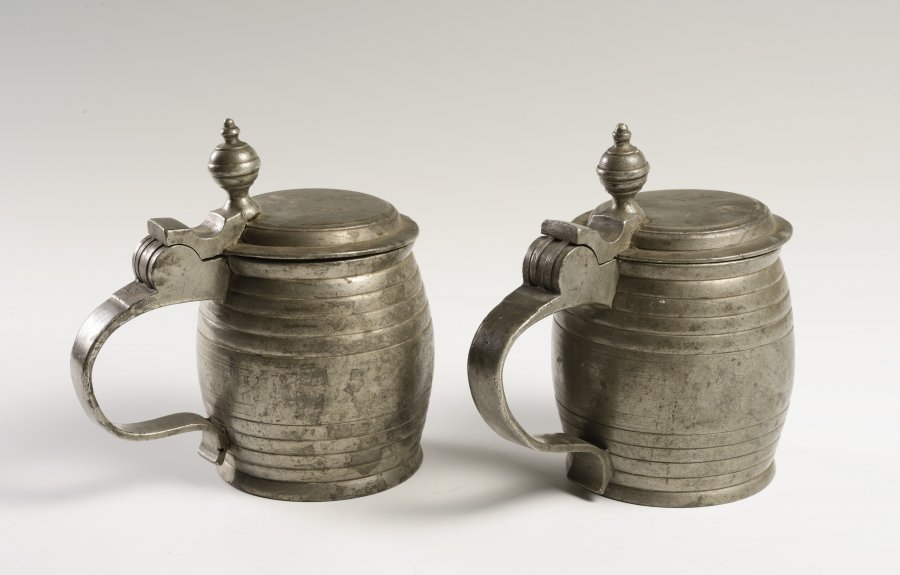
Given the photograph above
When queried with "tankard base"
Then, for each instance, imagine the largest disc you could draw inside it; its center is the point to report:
(321, 491)
(691, 498)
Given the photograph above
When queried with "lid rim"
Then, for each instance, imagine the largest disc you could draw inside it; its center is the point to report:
(700, 226)
(773, 242)
(251, 251)
(323, 224)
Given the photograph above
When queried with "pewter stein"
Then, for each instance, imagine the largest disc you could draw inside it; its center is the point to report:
(315, 346)
(672, 342)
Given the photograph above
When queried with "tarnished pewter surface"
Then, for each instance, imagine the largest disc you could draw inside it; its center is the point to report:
(316, 224)
(701, 226)
(686, 382)
(672, 351)
(315, 345)
(321, 372)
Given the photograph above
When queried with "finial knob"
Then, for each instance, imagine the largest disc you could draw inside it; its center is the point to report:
(234, 165)
(623, 171)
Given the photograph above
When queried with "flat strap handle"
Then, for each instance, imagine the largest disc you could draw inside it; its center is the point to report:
(566, 276)
(167, 276)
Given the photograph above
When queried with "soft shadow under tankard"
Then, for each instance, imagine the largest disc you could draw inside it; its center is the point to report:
(315, 346)
(672, 342)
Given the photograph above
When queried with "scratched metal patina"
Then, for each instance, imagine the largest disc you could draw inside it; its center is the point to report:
(315, 345)
(673, 353)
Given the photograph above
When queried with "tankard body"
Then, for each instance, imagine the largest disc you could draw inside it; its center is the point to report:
(315, 346)
(321, 372)
(672, 341)
(686, 378)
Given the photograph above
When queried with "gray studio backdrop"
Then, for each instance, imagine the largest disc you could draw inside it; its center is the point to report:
(478, 120)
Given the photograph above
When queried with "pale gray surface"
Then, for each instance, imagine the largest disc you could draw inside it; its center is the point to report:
(672, 379)
(477, 120)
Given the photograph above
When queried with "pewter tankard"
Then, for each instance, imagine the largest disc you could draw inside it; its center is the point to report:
(672, 340)
(315, 346)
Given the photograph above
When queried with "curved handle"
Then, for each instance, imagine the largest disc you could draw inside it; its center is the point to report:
(558, 275)
(166, 276)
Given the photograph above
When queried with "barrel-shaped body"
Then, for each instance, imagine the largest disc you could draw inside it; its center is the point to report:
(320, 372)
(686, 379)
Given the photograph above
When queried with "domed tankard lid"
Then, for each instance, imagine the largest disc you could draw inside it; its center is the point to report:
(304, 224)
(682, 226)
(312, 224)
